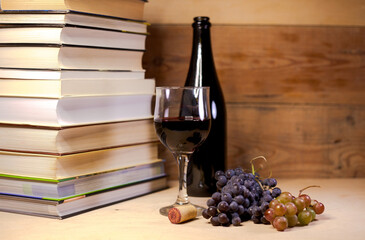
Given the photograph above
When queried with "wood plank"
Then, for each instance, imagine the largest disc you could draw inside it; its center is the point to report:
(299, 140)
(308, 12)
(269, 63)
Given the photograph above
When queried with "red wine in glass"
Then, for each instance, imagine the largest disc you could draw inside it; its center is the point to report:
(180, 134)
(182, 121)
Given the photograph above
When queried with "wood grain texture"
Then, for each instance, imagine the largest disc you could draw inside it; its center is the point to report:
(139, 218)
(308, 12)
(268, 63)
(298, 140)
(293, 94)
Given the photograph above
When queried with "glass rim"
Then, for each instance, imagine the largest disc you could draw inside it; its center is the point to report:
(177, 87)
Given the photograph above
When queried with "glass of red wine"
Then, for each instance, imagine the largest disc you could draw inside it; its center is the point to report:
(182, 121)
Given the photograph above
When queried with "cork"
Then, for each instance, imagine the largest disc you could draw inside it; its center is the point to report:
(182, 213)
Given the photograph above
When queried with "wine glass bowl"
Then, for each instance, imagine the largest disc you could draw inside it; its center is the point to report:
(182, 122)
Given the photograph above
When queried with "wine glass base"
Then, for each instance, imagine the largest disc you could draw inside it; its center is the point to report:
(165, 210)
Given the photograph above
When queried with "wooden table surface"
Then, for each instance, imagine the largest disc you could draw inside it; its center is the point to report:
(139, 218)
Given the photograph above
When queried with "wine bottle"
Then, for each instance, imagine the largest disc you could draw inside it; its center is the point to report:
(211, 155)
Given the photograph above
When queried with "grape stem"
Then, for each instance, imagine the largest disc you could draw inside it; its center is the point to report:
(301, 190)
(253, 168)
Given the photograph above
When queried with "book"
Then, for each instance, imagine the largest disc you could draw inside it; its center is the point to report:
(81, 185)
(64, 74)
(69, 57)
(68, 140)
(63, 88)
(131, 9)
(53, 167)
(71, 35)
(73, 111)
(66, 208)
(62, 18)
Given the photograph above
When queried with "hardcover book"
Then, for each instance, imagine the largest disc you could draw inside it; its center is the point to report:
(68, 140)
(72, 88)
(65, 208)
(71, 35)
(43, 56)
(59, 167)
(74, 111)
(62, 18)
(58, 190)
(132, 9)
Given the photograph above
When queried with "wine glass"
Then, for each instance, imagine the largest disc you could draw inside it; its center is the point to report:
(182, 121)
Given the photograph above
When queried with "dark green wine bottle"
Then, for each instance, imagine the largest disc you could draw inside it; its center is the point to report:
(211, 155)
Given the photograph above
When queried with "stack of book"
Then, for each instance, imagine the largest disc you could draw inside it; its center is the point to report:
(76, 128)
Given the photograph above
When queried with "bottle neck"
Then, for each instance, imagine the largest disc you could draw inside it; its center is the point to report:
(201, 62)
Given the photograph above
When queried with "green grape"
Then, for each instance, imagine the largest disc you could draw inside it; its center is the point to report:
(304, 217)
(280, 209)
(299, 203)
(280, 223)
(285, 197)
(307, 199)
(270, 215)
(313, 213)
(273, 203)
(291, 209)
(292, 220)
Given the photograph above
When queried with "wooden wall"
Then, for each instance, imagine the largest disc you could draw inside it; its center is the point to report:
(294, 93)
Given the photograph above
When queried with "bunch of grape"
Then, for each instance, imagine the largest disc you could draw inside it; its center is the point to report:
(288, 211)
(240, 197)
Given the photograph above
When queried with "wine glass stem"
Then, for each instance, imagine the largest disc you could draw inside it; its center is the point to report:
(182, 161)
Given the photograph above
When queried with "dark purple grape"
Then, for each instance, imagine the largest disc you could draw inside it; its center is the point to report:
(216, 196)
(246, 203)
(250, 210)
(266, 192)
(267, 198)
(226, 197)
(264, 221)
(212, 211)
(230, 173)
(241, 210)
(233, 206)
(239, 199)
(264, 207)
(205, 214)
(222, 180)
(271, 182)
(238, 171)
(235, 214)
(246, 193)
(247, 184)
(223, 206)
(214, 221)
(276, 192)
(211, 202)
(236, 221)
(242, 176)
(256, 220)
(218, 173)
(256, 211)
(226, 189)
(235, 190)
(223, 218)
